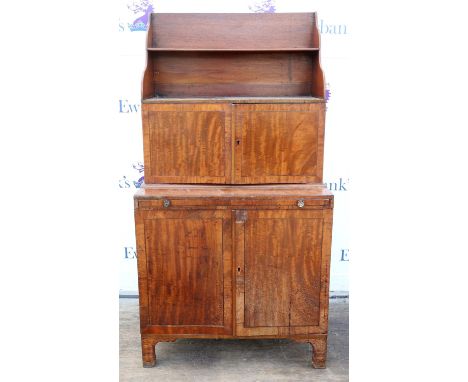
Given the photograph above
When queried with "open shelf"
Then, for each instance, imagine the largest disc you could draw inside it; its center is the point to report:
(233, 58)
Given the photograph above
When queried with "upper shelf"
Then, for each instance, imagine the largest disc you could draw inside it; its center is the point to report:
(232, 49)
(233, 31)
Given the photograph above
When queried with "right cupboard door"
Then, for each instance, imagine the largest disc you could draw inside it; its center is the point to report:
(278, 143)
(282, 265)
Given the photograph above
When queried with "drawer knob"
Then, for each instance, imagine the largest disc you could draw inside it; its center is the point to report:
(301, 203)
(166, 203)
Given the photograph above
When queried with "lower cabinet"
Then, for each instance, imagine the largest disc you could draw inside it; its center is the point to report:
(217, 262)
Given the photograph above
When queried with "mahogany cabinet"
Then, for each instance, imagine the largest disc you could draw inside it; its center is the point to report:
(224, 102)
(233, 223)
(233, 262)
(233, 143)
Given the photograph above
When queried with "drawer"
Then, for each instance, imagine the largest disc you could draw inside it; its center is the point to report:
(225, 203)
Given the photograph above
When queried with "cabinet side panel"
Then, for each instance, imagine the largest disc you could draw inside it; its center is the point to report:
(142, 270)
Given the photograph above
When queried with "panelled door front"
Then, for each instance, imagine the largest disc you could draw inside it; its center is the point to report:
(185, 268)
(278, 143)
(187, 143)
(281, 271)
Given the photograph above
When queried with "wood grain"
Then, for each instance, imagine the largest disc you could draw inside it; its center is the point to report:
(232, 49)
(233, 55)
(187, 144)
(185, 265)
(319, 349)
(318, 78)
(147, 83)
(268, 143)
(278, 143)
(213, 74)
(234, 30)
(281, 261)
(278, 256)
(282, 269)
(232, 100)
(272, 194)
(185, 270)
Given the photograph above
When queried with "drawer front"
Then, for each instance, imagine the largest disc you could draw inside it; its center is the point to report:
(299, 203)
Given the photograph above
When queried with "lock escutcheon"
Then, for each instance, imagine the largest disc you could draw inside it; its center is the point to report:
(301, 203)
(166, 203)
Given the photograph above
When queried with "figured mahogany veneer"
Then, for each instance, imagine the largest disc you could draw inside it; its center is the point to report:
(236, 143)
(233, 225)
(225, 262)
(225, 103)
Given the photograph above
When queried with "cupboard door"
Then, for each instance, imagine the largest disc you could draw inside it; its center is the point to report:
(187, 143)
(279, 143)
(282, 261)
(185, 271)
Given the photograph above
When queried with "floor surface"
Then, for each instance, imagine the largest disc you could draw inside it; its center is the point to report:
(233, 360)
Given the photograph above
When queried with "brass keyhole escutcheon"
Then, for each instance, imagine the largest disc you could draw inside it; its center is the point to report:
(166, 203)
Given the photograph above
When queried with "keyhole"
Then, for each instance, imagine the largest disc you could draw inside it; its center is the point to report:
(238, 269)
(237, 141)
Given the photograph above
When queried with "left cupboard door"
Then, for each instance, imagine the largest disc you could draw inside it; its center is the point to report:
(185, 271)
(187, 143)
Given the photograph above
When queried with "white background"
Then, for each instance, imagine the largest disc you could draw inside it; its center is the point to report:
(407, 151)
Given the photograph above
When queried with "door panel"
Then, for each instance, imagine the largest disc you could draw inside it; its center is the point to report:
(280, 263)
(188, 266)
(187, 143)
(278, 143)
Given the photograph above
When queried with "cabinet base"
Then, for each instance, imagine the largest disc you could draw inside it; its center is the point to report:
(319, 351)
(318, 343)
(148, 351)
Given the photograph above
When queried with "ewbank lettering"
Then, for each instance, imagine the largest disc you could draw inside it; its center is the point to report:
(127, 107)
(344, 255)
(332, 28)
(130, 253)
(341, 185)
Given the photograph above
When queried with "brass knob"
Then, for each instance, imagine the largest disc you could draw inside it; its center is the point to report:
(300, 203)
(166, 203)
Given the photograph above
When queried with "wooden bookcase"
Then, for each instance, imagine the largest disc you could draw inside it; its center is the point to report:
(225, 103)
(233, 224)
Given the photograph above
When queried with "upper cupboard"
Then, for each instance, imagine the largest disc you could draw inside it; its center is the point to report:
(224, 101)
